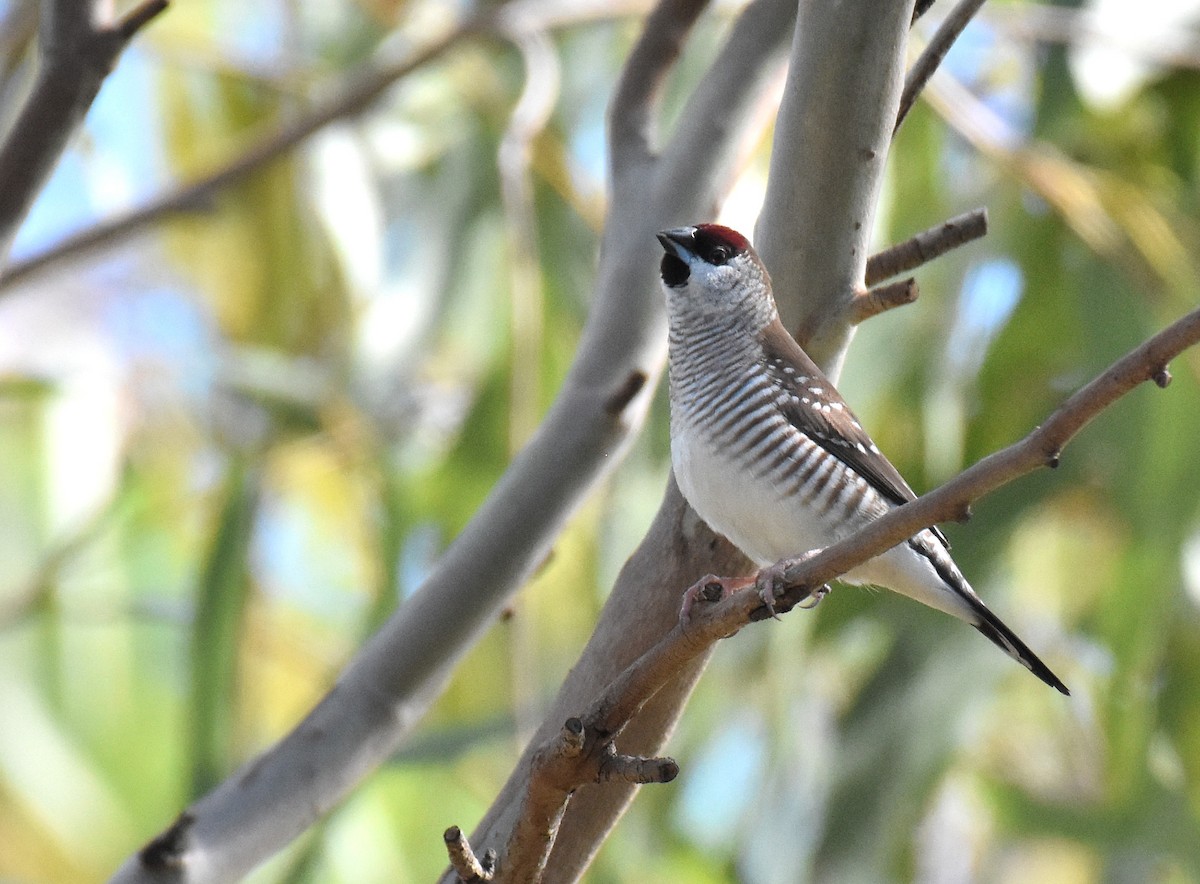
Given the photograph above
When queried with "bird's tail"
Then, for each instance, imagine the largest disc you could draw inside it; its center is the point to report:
(993, 627)
(987, 622)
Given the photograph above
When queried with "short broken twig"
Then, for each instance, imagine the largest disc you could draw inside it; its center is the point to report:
(885, 297)
(466, 865)
(926, 245)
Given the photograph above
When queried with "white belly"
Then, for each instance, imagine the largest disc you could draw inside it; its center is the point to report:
(745, 509)
(768, 526)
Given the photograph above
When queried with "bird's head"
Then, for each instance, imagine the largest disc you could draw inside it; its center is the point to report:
(710, 270)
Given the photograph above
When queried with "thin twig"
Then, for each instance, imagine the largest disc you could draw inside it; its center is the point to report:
(269, 146)
(926, 245)
(885, 297)
(918, 75)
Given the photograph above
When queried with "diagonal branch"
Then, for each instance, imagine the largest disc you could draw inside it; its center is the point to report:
(753, 55)
(934, 54)
(633, 112)
(512, 20)
(713, 613)
(1042, 447)
(351, 100)
(76, 54)
(926, 245)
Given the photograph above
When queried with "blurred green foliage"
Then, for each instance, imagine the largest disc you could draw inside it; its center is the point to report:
(233, 445)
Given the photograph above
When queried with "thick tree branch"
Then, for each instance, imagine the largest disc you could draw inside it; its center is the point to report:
(528, 119)
(750, 58)
(76, 54)
(633, 112)
(831, 142)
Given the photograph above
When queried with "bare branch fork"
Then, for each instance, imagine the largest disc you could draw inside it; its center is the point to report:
(513, 22)
(353, 98)
(908, 255)
(76, 54)
(578, 754)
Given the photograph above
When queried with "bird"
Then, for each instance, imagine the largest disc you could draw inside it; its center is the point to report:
(765, 449)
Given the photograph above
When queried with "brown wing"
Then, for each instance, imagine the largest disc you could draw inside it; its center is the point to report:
(818, 410)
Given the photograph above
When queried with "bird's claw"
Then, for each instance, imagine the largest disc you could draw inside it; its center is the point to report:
(814, 597)
(772, 583)
(766, 581)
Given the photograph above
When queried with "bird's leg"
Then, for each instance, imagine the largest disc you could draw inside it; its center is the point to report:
(772, 583)
(711, 589)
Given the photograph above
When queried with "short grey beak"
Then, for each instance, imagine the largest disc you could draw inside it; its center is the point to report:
(679, 241)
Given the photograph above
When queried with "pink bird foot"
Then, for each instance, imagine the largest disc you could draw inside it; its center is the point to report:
(772, 583)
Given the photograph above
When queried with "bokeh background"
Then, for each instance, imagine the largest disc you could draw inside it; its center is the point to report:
(232, 441)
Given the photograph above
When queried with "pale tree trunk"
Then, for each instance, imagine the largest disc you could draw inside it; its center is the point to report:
(831, 141)
(405, 666)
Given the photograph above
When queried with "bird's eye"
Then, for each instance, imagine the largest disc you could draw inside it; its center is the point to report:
(719, 255)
